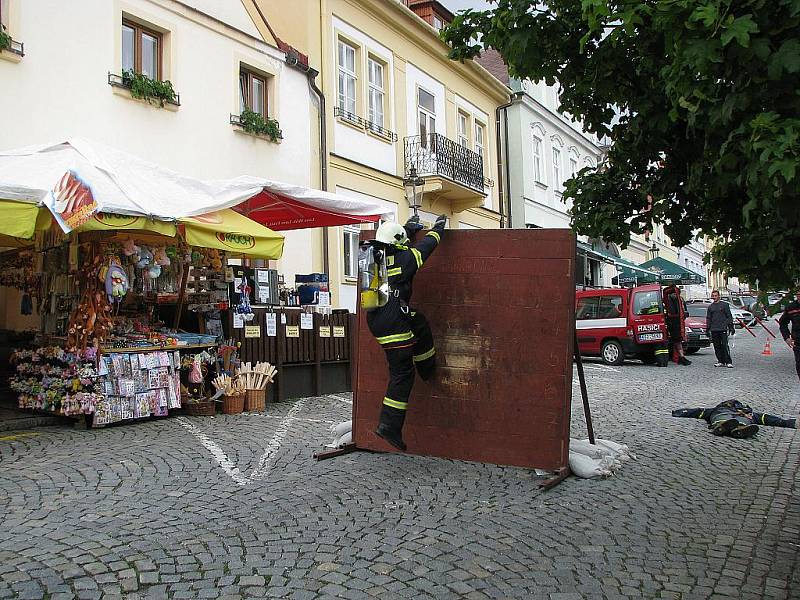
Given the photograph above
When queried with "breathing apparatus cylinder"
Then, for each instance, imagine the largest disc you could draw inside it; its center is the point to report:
(373, 279)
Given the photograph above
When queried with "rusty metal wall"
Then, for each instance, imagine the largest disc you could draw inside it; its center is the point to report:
(501, 304)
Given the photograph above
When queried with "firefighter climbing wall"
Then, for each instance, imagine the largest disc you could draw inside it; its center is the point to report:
(501, 304)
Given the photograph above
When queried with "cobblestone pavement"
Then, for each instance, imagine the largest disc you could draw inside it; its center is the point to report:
(234, 506)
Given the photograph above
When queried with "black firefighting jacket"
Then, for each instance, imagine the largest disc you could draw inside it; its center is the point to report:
(733, 408)
(791, 315)
(391, 323)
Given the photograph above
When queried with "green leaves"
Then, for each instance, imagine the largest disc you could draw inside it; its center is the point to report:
(739, 29)
(150, 90)
(255, 123)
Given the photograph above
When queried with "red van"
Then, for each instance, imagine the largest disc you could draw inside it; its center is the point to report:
(620, 322)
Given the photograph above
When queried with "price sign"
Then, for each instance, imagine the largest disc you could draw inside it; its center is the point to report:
(272, 324)
(252, 331)
(292, 331)
(338, 331)
(324, 331)
(306, 321)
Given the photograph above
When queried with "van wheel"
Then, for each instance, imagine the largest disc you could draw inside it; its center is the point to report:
(611, 352)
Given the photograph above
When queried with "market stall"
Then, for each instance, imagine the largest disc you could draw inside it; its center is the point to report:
(136, 274)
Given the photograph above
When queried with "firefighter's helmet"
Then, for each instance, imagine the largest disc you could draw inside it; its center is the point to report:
(391, 233)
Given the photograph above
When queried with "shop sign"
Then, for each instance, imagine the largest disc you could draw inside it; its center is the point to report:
(116, 221)
(252, 331)
(338, 331)
(292, 331)
(71, 201)
(236, 241)
(324, 331)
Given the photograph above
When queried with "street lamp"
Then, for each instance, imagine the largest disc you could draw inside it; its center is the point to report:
(414, 187)
(654, 250)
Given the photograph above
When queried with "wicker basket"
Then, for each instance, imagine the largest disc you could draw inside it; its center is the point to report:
(256, 400)
(233, 405)
(201, 409)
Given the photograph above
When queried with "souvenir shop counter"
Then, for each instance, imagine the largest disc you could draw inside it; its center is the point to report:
(118, 384)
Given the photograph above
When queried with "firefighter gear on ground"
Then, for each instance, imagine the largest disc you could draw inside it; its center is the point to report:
(792, 316)
(403, 333)
(734, 418)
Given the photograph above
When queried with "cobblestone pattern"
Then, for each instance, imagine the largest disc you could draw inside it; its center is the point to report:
(144, 511)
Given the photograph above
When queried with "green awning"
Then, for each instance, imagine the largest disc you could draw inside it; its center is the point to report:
(659, 270)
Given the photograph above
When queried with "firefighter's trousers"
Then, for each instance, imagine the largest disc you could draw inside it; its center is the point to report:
(419, 355)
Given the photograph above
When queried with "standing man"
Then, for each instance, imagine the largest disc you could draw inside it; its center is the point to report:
(792, 315)
(675, 314)
(719, 323)
(403, 333)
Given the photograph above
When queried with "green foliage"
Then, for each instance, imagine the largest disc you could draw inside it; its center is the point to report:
(255, 123)
(700, 101)
(5, 40)
(150, 90)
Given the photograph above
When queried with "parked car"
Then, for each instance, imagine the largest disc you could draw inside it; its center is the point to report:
(616, 323)
(697, 336)
(739, 315)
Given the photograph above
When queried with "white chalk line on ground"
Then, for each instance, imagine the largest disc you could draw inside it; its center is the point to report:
(266, 462)
(220, 456)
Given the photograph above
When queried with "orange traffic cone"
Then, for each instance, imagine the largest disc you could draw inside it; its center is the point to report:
(767, 349)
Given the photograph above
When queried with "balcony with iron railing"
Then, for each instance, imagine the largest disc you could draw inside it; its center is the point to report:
(450, 170)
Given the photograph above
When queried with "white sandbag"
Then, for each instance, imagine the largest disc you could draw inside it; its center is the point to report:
(620, 450)
(586, 467)
(347, 438)
(587, 449)
(342, 428)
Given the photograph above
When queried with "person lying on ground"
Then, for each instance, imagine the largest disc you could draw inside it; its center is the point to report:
(734, 418)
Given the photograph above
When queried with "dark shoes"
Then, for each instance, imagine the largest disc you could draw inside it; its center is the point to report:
(394, 437)
(744, 431)
(725, 427)
(684, 361)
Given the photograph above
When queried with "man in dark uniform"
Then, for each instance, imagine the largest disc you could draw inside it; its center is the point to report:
(734, 418)
(403, 333)
(675, 316)
(792, 315)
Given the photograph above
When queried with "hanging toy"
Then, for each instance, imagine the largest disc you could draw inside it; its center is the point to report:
(154, 271)
(116, 282)
(161, 257)
(196, 374)
(145, 258)
(214, 259)
(244, 307)
(129, 248)
(172, 252)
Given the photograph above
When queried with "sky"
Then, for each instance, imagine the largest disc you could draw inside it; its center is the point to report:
(457, 5)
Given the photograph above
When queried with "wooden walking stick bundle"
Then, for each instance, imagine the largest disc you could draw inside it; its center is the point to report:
(257, 378)
(229, 386)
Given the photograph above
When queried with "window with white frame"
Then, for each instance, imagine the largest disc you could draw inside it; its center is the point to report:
(463, 129)
(426, 110)
(573, 165)
(538, 172)
(480, 136)
(376, 92)
(351, 236)
(347, 78)
(557, 183)
(438, 24)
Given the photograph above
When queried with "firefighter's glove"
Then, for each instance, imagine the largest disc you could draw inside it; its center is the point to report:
(441, 221)
(413, 225)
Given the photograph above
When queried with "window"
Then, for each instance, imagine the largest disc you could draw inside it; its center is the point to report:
(347, 78)
(141, 50)
(537, 159)
(426, 109)
(647, 303)
(610, 307)
(252, 92)
(438, 24)
(587, 308)
(351, 235)
(376, 93)
(573, 166)
(463, 130)
(557, 168)
(480, 131)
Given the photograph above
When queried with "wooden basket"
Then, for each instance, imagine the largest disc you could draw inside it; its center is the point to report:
(201, 409)
(233, 405)
(256, 400)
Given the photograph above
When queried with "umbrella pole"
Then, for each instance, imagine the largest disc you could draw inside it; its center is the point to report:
(181, 297)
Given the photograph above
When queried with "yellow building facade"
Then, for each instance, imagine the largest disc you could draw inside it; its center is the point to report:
(393, 102)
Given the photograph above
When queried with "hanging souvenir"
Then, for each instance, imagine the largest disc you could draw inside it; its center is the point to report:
(145, 258)
(196, 374)
(243, 308)
(116, 282)
(161, 258)
(154, 271)
(129, 248)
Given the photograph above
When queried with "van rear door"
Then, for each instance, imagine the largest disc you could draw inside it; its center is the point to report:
(647, 315)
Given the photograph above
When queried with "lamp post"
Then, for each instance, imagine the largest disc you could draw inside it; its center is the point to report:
(414, 188)
(654, 251)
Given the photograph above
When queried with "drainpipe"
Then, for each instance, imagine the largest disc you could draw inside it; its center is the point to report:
(504, 192)
(292, 59)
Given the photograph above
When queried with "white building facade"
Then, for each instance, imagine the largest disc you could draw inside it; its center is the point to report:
(691, 257)
(66, 81)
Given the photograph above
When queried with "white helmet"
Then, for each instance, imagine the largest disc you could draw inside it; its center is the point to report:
(391, 233)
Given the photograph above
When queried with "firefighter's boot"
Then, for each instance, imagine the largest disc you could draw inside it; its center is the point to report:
(390, 426)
